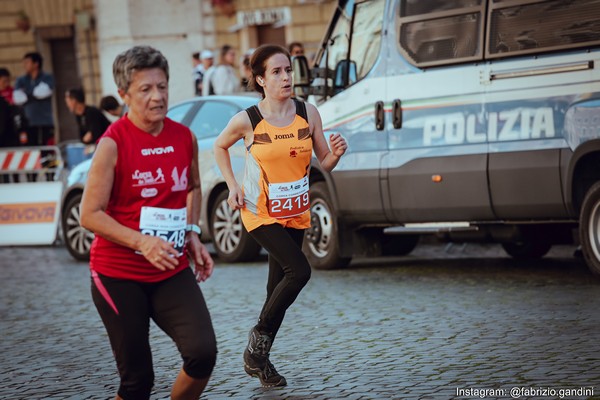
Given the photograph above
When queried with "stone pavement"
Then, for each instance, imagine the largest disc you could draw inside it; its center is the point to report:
(443, 323)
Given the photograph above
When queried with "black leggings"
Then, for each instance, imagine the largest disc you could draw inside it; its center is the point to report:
(176, 305)
(289, 271)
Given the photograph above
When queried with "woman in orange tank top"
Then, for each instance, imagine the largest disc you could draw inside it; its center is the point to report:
(280, 135)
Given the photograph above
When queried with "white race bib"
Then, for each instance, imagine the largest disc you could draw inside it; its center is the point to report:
(289, 198)
(165, 223)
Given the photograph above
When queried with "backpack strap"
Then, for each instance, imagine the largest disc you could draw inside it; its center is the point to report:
(301, 109)
(255, 116)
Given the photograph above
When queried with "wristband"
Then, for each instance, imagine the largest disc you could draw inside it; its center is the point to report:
(193, 228)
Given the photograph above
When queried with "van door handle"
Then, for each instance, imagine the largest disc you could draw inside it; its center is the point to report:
(379, 116)
(397, 114)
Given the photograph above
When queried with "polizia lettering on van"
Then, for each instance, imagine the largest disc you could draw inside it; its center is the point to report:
(516, 124)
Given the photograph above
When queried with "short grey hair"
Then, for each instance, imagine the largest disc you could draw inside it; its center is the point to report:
(135, 59)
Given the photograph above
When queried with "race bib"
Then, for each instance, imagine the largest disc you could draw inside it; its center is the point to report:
(165, 223)
(289, 198)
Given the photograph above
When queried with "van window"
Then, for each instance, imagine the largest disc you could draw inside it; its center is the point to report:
(366, 36)
(441, 31)
(353, 45)
(533, 27)
(339, 43)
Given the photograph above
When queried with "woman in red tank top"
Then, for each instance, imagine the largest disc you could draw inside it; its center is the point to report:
(142, 200)
(280, 135)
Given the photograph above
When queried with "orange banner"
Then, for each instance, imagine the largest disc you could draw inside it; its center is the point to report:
(27, 213)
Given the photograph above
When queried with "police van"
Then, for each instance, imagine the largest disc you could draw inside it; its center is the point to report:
(468, 119)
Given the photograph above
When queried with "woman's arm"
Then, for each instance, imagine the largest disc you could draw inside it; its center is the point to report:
(94, 217)
(327, 158)
(235, 130)
(203, 262)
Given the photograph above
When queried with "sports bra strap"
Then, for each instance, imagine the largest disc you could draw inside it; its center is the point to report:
(255, 116)
(301, 109)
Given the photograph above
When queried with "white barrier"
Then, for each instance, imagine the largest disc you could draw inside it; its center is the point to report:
(29, 211)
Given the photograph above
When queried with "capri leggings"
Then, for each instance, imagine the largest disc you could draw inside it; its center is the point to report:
(176, 305)
(289, 272)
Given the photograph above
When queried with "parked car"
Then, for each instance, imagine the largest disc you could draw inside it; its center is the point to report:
(206, 117)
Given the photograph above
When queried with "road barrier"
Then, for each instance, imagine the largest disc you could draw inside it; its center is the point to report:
(31, 187)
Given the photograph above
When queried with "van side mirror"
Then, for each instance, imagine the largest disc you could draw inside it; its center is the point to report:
(301, 76)
(345, 74)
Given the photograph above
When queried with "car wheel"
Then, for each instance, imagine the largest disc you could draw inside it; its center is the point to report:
(527, 249)
(232, 241)
(321, 240)
(589, 228)
(77, 239)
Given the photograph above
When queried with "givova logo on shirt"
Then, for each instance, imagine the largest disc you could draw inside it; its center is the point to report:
(158, 151)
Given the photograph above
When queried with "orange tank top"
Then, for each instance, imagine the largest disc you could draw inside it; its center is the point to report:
(276, 177)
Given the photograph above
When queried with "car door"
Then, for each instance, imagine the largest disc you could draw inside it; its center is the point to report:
(528, 93)
(436, 168)
(353, 56)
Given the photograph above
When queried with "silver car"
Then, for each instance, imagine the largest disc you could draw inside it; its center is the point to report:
(206, 117)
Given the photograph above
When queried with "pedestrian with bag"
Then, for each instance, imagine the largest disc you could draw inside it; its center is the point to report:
(280, 135)
(142, 200)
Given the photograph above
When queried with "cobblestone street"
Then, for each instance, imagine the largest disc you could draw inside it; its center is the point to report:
(434, 325)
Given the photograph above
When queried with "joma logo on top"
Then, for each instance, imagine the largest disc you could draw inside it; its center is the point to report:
(158, 150)
(507, 125)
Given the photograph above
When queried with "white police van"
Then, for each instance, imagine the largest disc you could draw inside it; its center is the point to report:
(470, 119)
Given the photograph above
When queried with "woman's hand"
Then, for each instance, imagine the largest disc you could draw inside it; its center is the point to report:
(159, 252)
(203, 262)
(337, 144)
(236, 198)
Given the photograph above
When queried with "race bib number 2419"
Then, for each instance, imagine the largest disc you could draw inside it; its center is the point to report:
(288, 199)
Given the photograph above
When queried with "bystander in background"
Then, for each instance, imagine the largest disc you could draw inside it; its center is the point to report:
(202, 63)
(6, 90)
(246, 71)
(91, 121)
(111, 105)
(296, 49)
(222, 79)
(33, 91)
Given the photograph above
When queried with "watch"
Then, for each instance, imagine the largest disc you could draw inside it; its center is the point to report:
(193, 228)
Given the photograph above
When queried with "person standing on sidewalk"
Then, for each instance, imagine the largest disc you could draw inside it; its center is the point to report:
(142, 200)
(280, 134)
(221, 79)
(34, 91)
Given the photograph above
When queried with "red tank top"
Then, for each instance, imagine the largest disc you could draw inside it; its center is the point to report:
(149, 195)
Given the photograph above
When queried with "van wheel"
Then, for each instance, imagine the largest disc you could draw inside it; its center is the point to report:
(527, 249)
(589, 228)
(232, 241)
(77, 239)
(321, 240)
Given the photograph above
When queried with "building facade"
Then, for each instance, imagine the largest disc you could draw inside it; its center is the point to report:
(79, 39)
